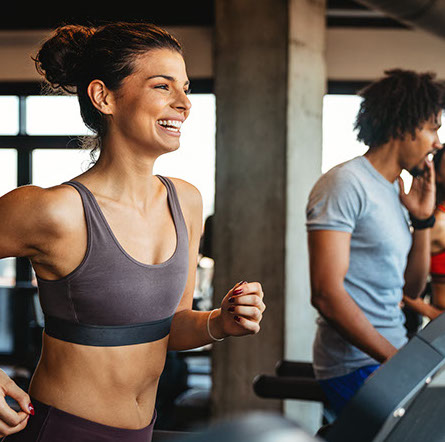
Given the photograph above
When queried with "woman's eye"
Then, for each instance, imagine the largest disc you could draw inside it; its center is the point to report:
(162, 86)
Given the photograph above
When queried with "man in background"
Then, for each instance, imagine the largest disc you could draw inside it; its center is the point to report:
(368, 239)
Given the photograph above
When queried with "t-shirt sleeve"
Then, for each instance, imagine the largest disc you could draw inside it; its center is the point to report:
(336, 202)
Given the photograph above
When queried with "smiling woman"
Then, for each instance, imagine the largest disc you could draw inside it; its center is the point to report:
(107, 53)
(115, 248)
(155, 92)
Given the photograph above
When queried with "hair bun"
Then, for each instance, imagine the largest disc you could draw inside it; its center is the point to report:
(59, 58)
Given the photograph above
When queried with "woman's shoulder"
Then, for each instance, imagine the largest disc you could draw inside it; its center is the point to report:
(33, 216)
(52, 207)
(188, 194)
(190, 200)
(62, 202)
(34, 197)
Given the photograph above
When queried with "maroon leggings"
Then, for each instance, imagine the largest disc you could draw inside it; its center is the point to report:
(50, 424)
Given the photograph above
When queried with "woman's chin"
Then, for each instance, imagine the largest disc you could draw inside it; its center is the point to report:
(167, 148)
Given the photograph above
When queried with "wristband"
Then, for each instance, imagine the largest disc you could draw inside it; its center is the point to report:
(208, 327)
(420, 224)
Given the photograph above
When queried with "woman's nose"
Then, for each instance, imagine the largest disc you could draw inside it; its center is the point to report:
(183, 103)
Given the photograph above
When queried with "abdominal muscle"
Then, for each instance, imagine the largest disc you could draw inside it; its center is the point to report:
(113, 386)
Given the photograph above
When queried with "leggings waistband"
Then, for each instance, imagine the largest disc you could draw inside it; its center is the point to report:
(49, 424)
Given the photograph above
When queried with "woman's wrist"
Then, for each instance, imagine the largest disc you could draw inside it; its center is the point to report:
(214, 325)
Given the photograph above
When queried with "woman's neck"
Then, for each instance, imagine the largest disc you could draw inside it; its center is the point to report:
(121, 174)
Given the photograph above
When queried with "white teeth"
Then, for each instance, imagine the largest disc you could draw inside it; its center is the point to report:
(171, 123)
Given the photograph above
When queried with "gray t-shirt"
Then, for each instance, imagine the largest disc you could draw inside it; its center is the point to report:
(354, 197)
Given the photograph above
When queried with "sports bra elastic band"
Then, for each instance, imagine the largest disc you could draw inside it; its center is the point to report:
(107, 336)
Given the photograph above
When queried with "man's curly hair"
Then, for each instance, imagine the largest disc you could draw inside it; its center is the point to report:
(396, 105)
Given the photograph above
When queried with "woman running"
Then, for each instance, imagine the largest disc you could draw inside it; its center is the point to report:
(115, 248)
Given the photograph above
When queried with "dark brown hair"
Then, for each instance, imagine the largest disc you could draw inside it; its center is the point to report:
(75, 55)
(396, 105)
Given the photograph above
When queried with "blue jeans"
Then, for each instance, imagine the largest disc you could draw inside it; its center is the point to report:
(340, 390)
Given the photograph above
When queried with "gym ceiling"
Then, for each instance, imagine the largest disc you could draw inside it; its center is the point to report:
(345, 13)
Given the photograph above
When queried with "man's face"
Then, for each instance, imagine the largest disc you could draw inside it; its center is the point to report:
(426, 141)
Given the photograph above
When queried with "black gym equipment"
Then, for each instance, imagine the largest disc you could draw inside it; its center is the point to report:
(252, 427)
(293, 380)
(403, 400)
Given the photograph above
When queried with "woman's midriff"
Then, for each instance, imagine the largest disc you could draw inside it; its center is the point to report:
(438, 285)
(113, 386)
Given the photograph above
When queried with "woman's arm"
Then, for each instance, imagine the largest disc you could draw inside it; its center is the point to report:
(21, 222)
(420, 306)
(25, 225)
(238, 316)
(11, 421)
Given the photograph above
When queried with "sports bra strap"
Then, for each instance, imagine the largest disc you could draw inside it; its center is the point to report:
(171, 190)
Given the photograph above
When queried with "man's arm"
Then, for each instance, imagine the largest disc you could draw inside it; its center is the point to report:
(329, 263)
(420, 202)
(418, 265)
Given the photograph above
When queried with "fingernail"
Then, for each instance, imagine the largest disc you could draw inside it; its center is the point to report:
(238, 291)
(231, 309)
(237, 319)
(31, 409)
(232, 300)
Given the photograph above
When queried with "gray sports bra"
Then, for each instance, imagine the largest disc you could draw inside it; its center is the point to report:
(111, 299)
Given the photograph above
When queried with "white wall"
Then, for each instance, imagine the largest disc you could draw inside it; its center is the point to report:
(363, 54)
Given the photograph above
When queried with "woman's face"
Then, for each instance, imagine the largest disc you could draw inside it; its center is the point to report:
(152, 103)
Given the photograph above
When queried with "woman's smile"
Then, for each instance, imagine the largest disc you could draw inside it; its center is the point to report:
(170, 127)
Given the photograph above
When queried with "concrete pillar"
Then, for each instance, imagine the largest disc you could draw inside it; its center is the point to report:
(306, 87)
(269, 82)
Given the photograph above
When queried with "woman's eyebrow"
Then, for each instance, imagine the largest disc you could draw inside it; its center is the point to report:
(167, 77)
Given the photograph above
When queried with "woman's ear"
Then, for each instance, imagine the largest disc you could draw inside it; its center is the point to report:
(101, 97)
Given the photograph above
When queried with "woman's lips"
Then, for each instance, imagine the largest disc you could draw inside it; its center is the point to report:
(170, 127)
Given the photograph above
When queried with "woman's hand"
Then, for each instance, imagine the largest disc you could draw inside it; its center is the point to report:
(10, 421)
(242, 310)
(421, 199)
(420, 306)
